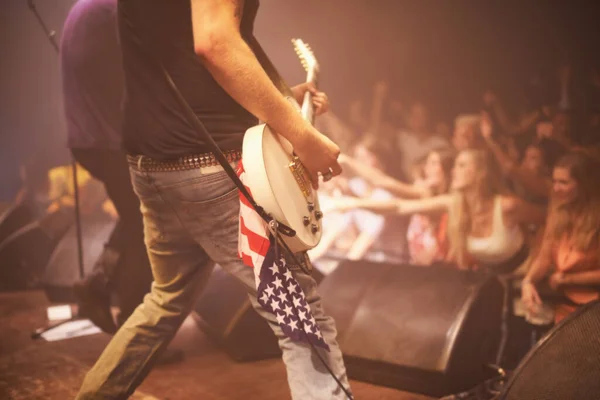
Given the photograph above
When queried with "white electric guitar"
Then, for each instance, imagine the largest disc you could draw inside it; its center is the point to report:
(277, 180)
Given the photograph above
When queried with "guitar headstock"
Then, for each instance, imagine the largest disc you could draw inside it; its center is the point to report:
(306, 55)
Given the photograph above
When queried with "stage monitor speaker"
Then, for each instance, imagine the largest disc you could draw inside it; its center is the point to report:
(225, 314)
(62, 269)
(565, 364)
(431, 330)
(12, 218)
(25, 252)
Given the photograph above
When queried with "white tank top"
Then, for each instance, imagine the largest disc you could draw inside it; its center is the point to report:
(501, 245)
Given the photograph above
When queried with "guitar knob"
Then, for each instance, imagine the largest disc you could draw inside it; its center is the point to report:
(314, 228)
(318, 215)
(306, 220)
(311, 207)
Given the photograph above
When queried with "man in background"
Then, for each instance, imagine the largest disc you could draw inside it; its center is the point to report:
(93, 89)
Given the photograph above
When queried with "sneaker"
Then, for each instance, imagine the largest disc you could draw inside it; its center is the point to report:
(93, 300)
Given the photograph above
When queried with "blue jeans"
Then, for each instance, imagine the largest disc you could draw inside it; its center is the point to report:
(190, 223)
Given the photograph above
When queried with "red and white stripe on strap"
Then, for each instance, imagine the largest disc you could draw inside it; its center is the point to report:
(253, 240)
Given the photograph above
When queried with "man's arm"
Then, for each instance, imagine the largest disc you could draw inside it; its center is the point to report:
(231, 62)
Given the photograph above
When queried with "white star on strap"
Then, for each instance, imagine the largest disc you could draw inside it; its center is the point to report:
(283, 297)
(277, 283)
(318, 334)
(288, 274)
(274, 269)
(275, 305)
(307, 329)
(297, 301)
(293, 324)
(269, 290)
(280, 319)
(291, 288)
(265, 297)
(301, 315)
(288, 310)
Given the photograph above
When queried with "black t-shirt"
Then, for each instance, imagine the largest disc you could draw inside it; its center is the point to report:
(160, 31)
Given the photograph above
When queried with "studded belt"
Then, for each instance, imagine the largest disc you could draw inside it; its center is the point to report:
(183, 163)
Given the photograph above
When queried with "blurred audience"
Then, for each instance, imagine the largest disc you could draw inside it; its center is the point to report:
(484, 220)
(416, 141)
(465, 135)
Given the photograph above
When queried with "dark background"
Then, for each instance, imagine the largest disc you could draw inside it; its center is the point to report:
(445, 52)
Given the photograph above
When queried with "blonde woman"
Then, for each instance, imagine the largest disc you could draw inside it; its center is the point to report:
(484, 226)
(570, 249)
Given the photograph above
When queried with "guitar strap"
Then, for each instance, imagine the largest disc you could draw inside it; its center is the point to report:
(269, 68)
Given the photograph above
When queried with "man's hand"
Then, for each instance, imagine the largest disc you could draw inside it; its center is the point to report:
(320, 99)
(319, 155)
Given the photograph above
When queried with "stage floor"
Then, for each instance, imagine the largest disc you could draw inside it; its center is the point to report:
(36, 369)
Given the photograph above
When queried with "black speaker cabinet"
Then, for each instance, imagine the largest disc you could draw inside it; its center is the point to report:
(12, 218)
(62, 269)
(565, 364)
(225, 314)
(431, 330)
(24, 253)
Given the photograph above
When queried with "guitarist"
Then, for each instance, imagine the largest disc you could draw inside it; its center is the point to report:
(190, 207)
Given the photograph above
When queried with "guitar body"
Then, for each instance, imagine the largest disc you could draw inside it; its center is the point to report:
(276, 178)
(284, 194)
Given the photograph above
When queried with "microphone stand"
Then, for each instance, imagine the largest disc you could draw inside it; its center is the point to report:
(51, 35)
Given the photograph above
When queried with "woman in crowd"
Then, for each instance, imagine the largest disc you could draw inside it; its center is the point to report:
(484, 224)
(426, 234)
(570, 246)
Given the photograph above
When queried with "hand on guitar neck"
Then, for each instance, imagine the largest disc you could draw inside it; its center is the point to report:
(319, 99)
(317, 153)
